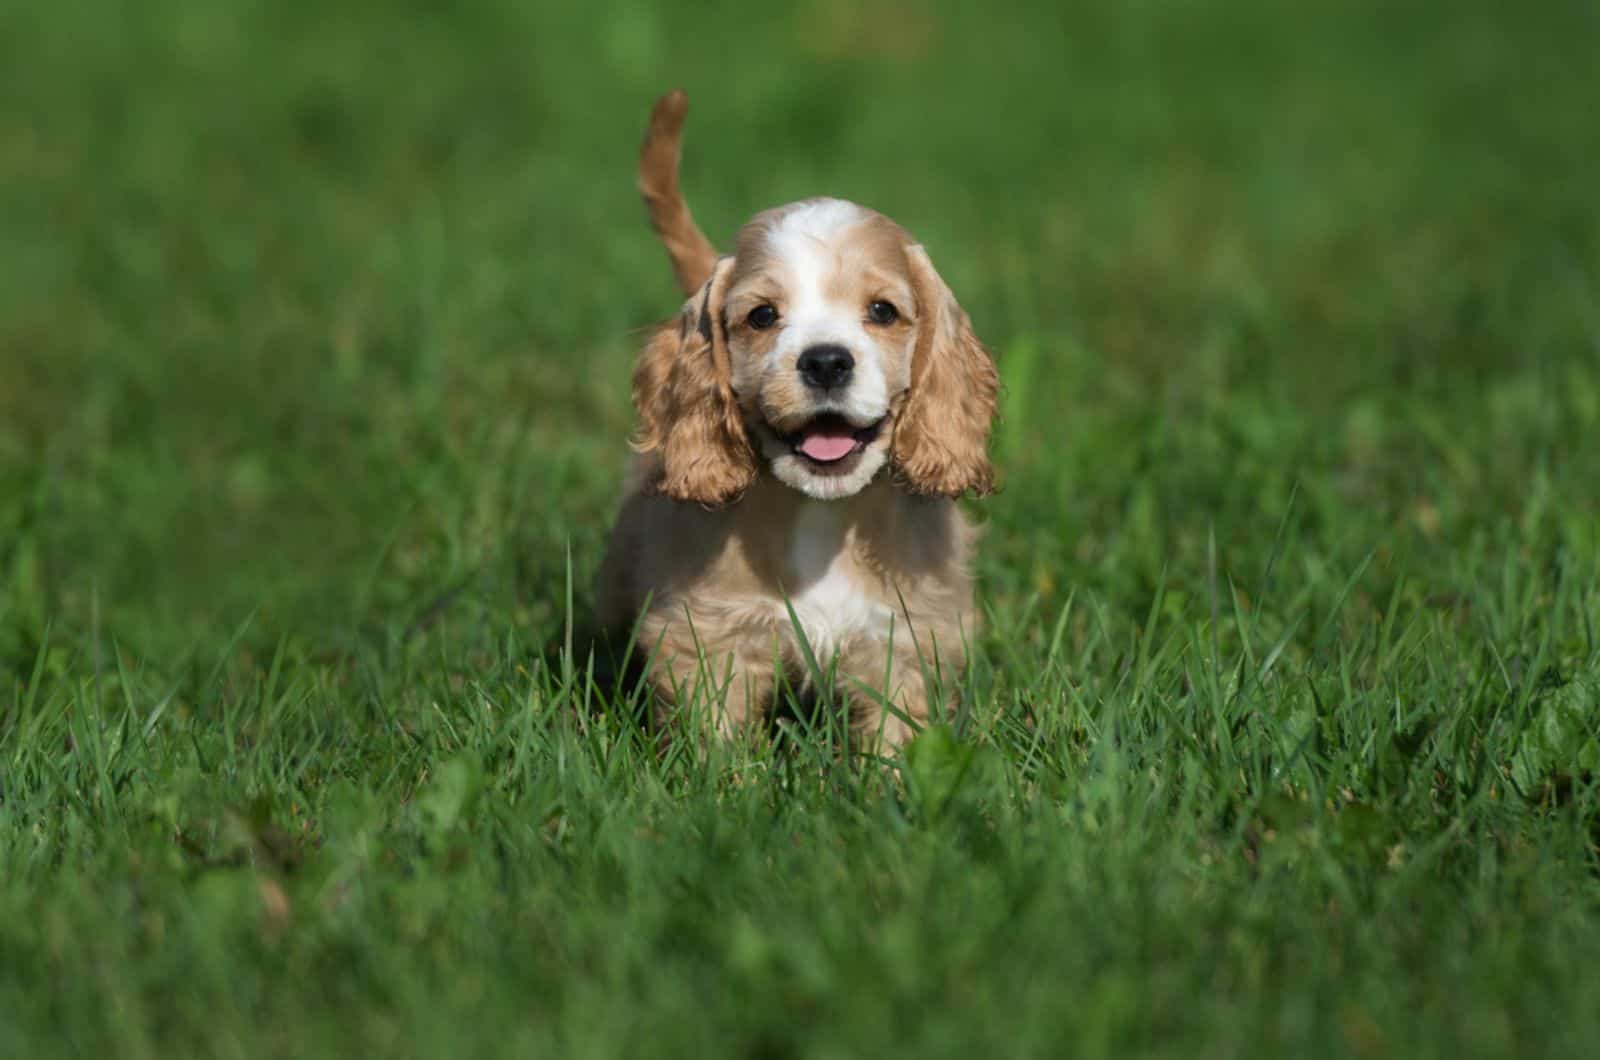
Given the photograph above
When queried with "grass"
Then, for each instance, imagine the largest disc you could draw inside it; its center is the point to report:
(1284, 737)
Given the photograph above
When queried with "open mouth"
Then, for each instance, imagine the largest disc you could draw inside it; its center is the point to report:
(829, 441)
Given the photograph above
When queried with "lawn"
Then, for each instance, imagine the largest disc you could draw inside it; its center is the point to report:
(1284, 734)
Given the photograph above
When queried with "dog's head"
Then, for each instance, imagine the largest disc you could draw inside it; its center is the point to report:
(825, 348)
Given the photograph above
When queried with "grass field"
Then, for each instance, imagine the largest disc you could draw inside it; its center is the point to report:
(1284, 738)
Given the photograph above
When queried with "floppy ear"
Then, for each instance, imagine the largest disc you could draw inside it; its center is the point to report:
(687, 412)
(941, 434)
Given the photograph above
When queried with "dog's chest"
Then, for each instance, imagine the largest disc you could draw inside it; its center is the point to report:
(832, 592)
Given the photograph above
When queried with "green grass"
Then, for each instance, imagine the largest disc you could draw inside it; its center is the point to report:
(1284, 734)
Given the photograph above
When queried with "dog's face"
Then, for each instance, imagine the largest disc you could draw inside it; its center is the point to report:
(821, 320)
(824, 349)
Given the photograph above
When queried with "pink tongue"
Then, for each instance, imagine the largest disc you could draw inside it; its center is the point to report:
(827, 444)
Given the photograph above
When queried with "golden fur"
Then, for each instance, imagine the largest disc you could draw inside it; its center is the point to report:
(733, 529)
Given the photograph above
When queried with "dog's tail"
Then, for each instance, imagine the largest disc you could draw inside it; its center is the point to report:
(693, 257)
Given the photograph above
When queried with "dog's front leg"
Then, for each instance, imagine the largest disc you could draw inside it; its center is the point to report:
(892, 690)
(710, 676)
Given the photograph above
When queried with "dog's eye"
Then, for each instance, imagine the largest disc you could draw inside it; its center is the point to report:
(762, 317)
(882, 313)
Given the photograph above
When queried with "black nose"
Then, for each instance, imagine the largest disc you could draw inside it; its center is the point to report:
(825, 367)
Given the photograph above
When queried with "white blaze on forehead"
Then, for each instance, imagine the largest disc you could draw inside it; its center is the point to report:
(818, 221)
(807, 241)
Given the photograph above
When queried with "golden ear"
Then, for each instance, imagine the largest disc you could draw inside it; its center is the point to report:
(941, 435)
(683, 391)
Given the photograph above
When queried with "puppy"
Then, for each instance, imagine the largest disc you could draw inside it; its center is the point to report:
(806, 424)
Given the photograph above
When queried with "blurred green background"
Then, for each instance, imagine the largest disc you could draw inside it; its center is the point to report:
(315, 330)
(322, 309)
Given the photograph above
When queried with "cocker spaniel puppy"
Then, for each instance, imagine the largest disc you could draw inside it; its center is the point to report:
(805, 425)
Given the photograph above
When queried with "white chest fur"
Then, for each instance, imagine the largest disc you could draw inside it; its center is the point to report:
(825, 585)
